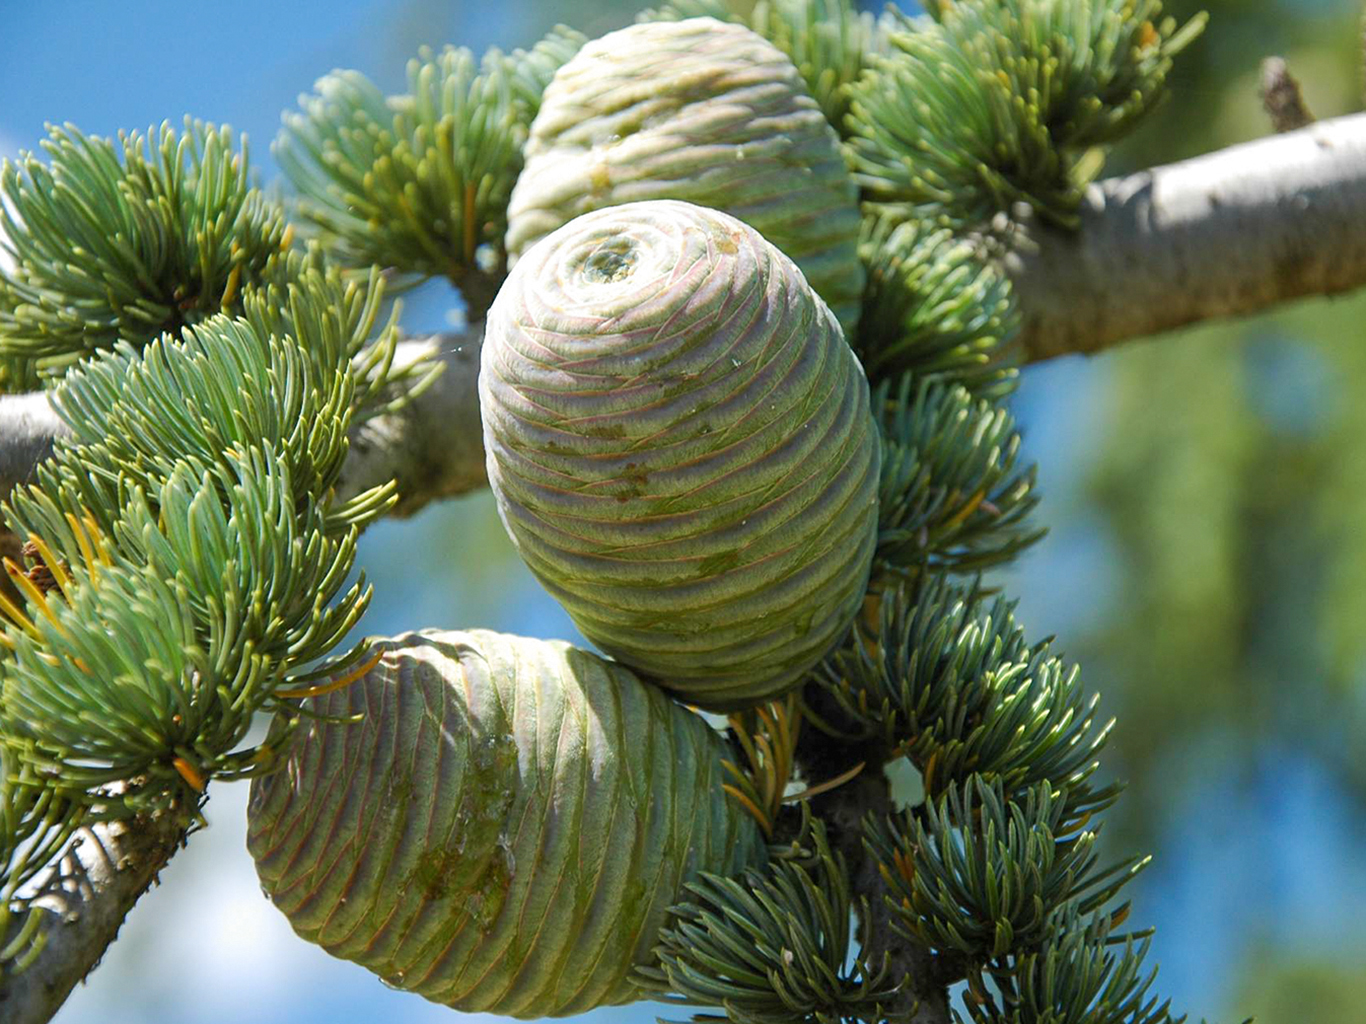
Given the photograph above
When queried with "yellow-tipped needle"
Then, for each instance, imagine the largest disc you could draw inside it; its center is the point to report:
(36, 597)
(192, 775)
(333, 684)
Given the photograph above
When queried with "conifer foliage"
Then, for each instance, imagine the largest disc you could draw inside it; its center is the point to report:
(188, 566)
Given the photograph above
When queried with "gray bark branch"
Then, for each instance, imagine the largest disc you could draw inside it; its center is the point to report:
(434, 445)
(85, 897)
(1226, 234)
(923, 997)
(28, 427)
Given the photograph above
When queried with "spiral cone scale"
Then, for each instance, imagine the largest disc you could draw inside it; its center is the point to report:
(504, 827)
(681, 448)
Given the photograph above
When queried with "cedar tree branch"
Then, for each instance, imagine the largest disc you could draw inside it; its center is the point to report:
(105, 869)
(1226, 234)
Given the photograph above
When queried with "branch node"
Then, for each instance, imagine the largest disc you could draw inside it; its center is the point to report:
(1281, 96)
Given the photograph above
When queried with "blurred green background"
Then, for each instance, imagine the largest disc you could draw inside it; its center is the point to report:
(1206, 562)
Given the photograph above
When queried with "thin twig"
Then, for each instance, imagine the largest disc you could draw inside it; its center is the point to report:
(1281, 96)
(924, 996)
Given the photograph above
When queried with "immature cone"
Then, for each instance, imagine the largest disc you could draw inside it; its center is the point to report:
(701, 111)
(681, 447)
(504, 828)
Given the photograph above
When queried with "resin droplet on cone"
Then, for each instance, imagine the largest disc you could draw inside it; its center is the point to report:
(504, 828)
(705, 112)
(681, 447)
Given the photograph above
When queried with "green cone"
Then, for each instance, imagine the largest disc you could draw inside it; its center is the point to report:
(681, 448)
(701, 111)
(504, 828)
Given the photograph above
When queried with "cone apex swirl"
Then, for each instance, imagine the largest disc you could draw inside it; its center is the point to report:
(681, 448)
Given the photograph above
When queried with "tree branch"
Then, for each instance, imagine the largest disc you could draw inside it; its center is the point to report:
(27, 429)
(1226, 234)
(434, 445)
(924, 997)
(86, 896)
(923, 975)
